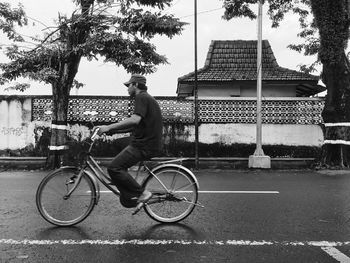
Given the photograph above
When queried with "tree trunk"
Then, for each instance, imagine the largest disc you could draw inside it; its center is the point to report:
(60, 99)
(332, 21)
(336, 115)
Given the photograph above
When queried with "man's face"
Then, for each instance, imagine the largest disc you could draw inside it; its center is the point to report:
(131, 89)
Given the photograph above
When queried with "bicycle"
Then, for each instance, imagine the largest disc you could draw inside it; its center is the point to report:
(67, 196)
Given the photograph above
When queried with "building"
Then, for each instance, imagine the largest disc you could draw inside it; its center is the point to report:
(230, 70)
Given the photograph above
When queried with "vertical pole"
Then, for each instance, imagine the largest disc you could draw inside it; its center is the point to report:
(259, 159)
(259, 150)
(196, 87)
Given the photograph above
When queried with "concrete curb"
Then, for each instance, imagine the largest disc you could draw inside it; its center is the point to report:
(204, 163)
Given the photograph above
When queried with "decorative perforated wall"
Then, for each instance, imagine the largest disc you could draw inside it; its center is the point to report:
(111, 109)
(279, 111)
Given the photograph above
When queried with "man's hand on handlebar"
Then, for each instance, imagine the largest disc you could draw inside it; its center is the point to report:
(101, 129)
(98, 131)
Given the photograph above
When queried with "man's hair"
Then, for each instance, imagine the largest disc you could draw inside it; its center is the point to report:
(141, 86)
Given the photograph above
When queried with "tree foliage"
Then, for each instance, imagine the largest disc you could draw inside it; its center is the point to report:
(9, 17)
(119, 32)
(277, 9)
(332, 21)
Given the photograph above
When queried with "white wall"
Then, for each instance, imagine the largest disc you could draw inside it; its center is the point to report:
(270, 91)
(16, 130)
(272, 134)
(246, 90)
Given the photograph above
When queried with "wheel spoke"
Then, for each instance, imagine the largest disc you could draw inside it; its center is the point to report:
(180, 189)
(173, 182)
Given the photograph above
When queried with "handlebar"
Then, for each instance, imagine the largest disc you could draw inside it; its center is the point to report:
(94, 133)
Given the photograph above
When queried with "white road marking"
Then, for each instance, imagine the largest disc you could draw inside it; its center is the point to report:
(325, 245)
(238, 192)
(336, 254)
(222, 192)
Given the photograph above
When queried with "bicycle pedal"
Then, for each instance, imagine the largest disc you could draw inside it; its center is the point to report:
(200, 205)
(138, 208)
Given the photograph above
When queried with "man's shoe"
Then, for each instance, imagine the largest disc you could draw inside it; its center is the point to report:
(144, 197)
(142, 200)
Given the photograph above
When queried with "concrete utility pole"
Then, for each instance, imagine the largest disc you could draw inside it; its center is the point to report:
(259, 159)
(196, 88)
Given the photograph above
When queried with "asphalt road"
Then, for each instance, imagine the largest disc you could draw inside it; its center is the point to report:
(249, 216)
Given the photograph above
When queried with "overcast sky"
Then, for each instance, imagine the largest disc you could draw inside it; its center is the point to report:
(107, 79)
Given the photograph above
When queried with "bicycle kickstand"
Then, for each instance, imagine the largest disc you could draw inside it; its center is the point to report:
(196, 204)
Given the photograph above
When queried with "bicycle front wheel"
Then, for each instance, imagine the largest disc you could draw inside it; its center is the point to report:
(175, 194)
(56, 206)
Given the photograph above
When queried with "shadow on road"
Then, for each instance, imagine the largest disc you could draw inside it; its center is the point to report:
(166, 231)
(72, 232)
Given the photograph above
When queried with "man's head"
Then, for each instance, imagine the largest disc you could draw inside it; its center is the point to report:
(136, 81)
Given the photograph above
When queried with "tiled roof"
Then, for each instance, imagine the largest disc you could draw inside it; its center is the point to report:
(237, 60)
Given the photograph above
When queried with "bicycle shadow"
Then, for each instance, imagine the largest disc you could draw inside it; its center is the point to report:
(71, 232)
(165, 231)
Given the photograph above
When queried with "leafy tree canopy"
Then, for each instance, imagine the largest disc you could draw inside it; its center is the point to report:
(9, 18)
(277, 9)
(328, 18)
(118, 31)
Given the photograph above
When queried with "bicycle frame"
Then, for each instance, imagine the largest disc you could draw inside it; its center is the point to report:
(99, 173)
(92, 164)
(93, 170)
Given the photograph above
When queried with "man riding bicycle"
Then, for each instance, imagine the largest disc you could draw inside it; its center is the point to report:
(146, 126)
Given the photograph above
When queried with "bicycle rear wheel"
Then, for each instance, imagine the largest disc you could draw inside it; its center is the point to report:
(175, 194)
(59, 209)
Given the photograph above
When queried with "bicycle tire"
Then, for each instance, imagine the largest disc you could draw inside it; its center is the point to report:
(171, 207)
(58, 210)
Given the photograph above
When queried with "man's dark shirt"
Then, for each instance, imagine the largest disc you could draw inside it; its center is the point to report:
(147, 135)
